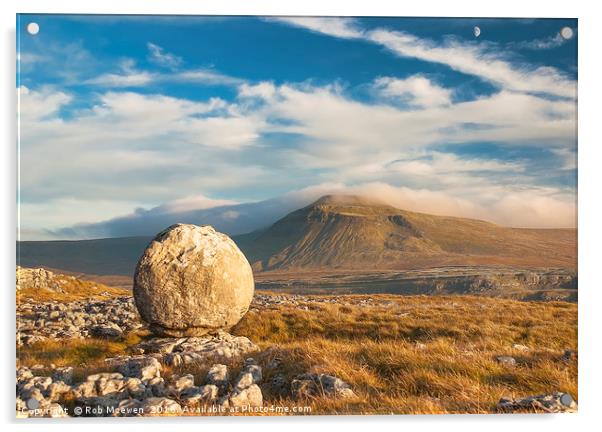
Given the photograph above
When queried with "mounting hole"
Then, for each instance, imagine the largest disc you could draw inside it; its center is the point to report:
(566, 33)
(33, 28)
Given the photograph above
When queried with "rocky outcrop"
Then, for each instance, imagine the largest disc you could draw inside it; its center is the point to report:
(221, 347)
(38, 278)
(192, 280)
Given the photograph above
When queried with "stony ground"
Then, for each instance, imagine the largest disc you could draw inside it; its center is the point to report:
(295, 354)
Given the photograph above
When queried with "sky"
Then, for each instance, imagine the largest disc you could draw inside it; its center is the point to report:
(121, 116)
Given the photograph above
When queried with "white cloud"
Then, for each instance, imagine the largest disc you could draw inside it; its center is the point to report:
(339, 131)
(131, 77)
(190, 203)
(415, 90)
(162, 58)
(472, 60)
(334, 26)
(122, 80)
(128, 76)
(154, 148)
(542, 44)
(203, 76)
(36, 105)
(466, 57)
(509, 206)
(262, 90)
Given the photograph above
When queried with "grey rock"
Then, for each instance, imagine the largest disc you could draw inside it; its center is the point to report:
(109, 330)
(550, 403)
(143, 367)
(196, 395)
(184, 382)
(520, 347)
(56, 390)
(249, 396)
(506, 360)
(569, 355)
(218, 376)
(156, 386)
(192, 280)
(308, 385)
(64, 374)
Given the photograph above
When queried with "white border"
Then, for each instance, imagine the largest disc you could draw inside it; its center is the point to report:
(589, 199)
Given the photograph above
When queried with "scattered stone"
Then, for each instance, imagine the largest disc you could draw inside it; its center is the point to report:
(218, 376)
(56, 390)
(506, 360)
(250, 396)
(183, 383)
(157, 386)
(520, 347)
(110, 318)
(64, 374)
(192, 280)
(143, 367)
(203, 394)
(309, 385)
(109, 331)
(246, 392)
(550, 403)
(569, 356)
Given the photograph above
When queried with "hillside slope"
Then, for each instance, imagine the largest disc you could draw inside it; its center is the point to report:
(349, 232)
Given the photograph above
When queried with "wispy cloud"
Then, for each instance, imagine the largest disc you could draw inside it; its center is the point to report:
(204, 76)
(334, 26)
(162, 58)
(547, 43)
(466, 57)
(126, 76)
(129, 76)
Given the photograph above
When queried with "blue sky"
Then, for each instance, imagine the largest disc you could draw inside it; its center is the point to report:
(122, 113)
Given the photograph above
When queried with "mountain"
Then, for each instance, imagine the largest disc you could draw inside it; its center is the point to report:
(351, 232)
(340, 232)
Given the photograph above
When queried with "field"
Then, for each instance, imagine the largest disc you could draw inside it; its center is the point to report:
(412, 354)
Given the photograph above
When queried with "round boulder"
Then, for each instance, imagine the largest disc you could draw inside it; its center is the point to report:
(192, 280)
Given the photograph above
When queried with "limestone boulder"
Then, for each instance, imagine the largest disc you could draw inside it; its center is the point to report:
(192, 280)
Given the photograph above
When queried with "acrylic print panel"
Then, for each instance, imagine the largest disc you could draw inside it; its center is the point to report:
(296, 216)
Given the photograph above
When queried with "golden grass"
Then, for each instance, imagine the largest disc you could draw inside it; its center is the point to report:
(72, 290)
(419, 355)
(439, 358)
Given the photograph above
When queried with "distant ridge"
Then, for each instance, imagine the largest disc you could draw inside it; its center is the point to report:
(338, 233)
